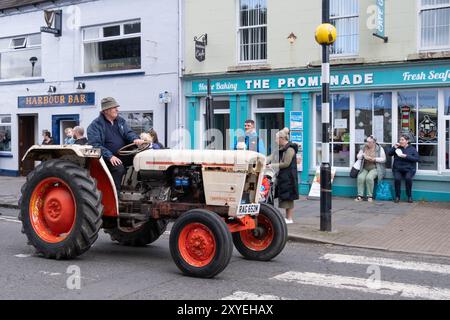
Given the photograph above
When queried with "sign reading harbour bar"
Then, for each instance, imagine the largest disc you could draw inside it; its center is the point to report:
(57, 100)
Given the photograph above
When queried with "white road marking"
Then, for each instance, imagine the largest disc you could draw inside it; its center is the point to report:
(50, 273)
(167, 233)
(242, 295)
(10, 220)
(388, 263)
(22, 255)
(364, 285)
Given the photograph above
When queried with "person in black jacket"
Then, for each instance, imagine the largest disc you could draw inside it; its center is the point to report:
(405, 158)
(78, 136)
(286, 189)
(110, 133)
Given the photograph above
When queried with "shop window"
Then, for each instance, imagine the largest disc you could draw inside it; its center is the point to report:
(5, 133)
(344, 15)
(447, 144)
(373, 116)
(112, 48)
(20, 57)
(339, 136)
(138, 121)
(418, 118)
(252, 30)
(435, 24)
(447, 102)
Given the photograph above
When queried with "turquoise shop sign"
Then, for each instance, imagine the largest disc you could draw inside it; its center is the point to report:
(394, 76)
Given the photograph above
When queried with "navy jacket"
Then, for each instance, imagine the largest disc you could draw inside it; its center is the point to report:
(408, 163)
(96, 134)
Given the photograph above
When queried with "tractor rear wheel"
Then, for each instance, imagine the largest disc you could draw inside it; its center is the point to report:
(200, 243)
(60, 209)
(141, 236)
(267, 240)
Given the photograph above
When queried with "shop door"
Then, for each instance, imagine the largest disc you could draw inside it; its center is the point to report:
(26, 140)
(267, 124)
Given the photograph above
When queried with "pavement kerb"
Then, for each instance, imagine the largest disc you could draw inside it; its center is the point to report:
(305, 239)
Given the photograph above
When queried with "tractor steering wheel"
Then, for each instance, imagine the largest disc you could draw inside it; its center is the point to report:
(133, 149)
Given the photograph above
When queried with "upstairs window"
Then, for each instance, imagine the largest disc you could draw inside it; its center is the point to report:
(20, 57)
(344, 15)
(434, 24)
(252, 30)
(112, 47)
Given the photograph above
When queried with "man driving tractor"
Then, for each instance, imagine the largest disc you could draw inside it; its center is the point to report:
(110, 133)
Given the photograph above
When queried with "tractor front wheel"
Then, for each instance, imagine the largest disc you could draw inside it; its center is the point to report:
(267, 240)
(60, 209)
(200, 243)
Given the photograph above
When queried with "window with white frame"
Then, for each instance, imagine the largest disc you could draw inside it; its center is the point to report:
(373, 116)
(137, 121)
(339, 135)
(418, 118)
(5, 133)
(252, 30)
(20, 57)
(344, 15)
(434, 24)
(113, 47)
(387, 116)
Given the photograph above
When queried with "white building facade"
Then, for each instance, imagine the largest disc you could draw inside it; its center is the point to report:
(128, 50)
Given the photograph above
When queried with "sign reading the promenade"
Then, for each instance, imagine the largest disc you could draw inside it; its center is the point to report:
(57, 100)
(393, 76)
(53, 19)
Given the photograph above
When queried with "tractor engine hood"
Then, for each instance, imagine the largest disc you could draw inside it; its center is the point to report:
(236, 160)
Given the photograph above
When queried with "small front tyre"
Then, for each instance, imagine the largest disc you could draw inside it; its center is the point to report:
(201, 243)
(268, 239)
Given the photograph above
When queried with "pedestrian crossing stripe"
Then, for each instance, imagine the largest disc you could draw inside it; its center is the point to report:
(365, 285)
(388, 263)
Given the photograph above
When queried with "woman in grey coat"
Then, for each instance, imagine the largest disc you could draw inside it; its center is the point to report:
(373, 160)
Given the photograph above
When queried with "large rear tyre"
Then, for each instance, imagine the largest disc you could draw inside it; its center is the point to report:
(143, 235)
(268, 239)
(201, 243)
(60, 209)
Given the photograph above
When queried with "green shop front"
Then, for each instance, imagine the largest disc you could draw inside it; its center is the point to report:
(381, 100)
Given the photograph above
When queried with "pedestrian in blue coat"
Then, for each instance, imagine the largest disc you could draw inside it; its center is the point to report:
(405, 159)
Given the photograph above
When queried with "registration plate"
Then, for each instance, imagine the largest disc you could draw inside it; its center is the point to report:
(248, 209)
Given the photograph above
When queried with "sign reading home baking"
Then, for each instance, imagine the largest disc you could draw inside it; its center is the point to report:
(53, 19)
(58, 100)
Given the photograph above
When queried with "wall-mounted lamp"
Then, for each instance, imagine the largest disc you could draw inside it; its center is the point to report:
(292, 37)
(51, 89)
(33, 61)
(81, 86)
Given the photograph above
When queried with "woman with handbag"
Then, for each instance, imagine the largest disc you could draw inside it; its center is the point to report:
(284, 160)
(373, 159)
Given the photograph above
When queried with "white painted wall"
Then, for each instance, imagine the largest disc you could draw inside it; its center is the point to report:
(62, 61)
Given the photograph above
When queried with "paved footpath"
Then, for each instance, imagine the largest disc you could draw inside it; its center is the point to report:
(420, 228)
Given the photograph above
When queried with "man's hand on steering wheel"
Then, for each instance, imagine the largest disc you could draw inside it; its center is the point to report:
(138, 142)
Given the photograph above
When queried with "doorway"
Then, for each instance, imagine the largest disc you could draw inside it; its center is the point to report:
(60, 123)
(27, 139)
(269, 116)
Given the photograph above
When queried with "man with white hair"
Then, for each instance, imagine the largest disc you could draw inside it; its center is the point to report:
(78, 135)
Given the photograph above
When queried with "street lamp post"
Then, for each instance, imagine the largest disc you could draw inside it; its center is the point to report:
(325, 36)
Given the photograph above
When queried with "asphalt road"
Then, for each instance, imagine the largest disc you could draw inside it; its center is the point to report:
(302, 271)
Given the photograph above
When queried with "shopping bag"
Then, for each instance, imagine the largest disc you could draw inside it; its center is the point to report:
(355, 169)
(384, 191)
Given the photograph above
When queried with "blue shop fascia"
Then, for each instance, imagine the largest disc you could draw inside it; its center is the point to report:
(384, 100)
